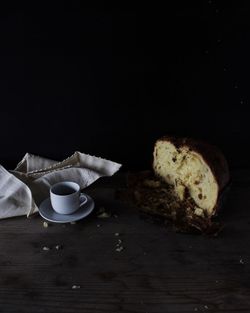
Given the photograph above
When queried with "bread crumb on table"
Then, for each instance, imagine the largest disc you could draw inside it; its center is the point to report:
(45, 225)
(119, 249)
(118, 245)
(104, 215)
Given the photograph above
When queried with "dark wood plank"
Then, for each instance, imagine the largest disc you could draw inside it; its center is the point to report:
(158, 271)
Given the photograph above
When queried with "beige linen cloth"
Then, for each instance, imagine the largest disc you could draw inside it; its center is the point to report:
(23, 189)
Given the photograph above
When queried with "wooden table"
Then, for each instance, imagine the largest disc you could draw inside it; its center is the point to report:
(158, 270)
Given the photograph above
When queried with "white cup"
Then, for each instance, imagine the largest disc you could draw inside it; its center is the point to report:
(66, 197)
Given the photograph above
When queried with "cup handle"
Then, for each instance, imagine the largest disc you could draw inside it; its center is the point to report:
(82, 195)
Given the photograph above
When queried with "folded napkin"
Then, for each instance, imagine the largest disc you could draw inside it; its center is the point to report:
(23, 189)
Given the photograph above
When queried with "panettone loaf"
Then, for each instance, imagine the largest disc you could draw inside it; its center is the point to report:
(196, 170)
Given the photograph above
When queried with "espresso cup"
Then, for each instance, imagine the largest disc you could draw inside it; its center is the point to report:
(66, 197)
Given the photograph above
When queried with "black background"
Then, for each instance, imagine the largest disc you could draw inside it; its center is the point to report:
(109, 81)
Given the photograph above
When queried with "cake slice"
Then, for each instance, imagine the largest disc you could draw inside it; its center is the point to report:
(196, 171)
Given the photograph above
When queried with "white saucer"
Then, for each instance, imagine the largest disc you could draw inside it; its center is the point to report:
(48, 213)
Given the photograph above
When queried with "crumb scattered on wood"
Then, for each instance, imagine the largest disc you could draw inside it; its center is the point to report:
(76, 287)
(119, 249)
(58, 247)
(119, 246)
(241, 261)
(98, 225)
(45, 248)
(45, 225)
(117, 234)
(103, 213)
